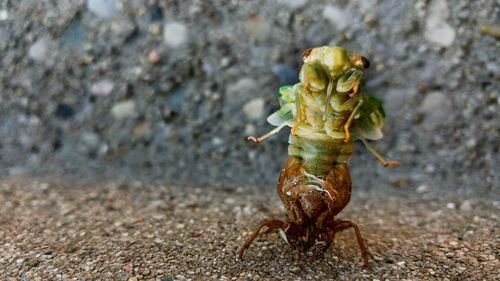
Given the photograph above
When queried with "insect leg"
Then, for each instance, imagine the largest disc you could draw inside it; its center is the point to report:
(375, 153)
(272, 132)
(271, 224)
(298, 109)
(329, 242)
(349, 121)
(356, 86)
(294, 128)
(341, 225)
(296, 247)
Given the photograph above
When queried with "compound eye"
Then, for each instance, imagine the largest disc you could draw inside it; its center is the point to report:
(306, 53)
(365, 62)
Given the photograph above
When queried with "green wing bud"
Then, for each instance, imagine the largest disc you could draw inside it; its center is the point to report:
(286, 115)
(286, 95)
(371, 119)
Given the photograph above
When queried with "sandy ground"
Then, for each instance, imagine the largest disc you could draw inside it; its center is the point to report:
(81, 230)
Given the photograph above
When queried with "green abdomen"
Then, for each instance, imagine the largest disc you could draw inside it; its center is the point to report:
(319, 156)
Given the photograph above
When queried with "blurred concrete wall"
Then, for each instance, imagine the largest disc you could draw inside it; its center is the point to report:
(169, 89)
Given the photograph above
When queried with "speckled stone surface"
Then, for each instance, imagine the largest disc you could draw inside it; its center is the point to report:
(158, 89)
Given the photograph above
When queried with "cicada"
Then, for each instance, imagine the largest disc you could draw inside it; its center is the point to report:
(327, 110)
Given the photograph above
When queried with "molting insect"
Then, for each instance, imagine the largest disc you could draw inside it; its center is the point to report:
(327, 110)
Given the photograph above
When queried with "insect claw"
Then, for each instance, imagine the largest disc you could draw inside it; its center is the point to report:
(257, 140)
(354, 91)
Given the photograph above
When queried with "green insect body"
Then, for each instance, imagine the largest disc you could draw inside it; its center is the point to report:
(327, 110)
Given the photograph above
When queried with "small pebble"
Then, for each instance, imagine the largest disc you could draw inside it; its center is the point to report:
(451, 205)
(176, 100)
(436, 108)
(437, 30)
(216, 141)
(338, 17)
(74, 36)
(491, 29)
(207, 68)
(141, 129)
(249, 129)
(155, 13)
(102, 87)
(154, 29)
(123, 109)
(64, 111)
(254, 109)
(39, 50)
(102, 8)
(429, 169)
(225, 61)
(33, 262)
(471, 143)
(175, 34)
(154, 57)
(4, 15)
(422, 188)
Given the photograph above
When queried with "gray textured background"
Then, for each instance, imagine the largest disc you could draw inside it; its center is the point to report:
(109, 107)
(80, 95)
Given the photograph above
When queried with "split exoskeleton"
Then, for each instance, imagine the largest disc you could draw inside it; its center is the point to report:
(327, 110)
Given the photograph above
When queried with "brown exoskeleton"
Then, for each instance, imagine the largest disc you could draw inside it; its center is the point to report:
(311, 208)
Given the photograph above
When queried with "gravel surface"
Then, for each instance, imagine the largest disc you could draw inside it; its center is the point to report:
(88, 230)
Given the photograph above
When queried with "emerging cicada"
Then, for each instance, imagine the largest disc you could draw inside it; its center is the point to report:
(327, 111)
